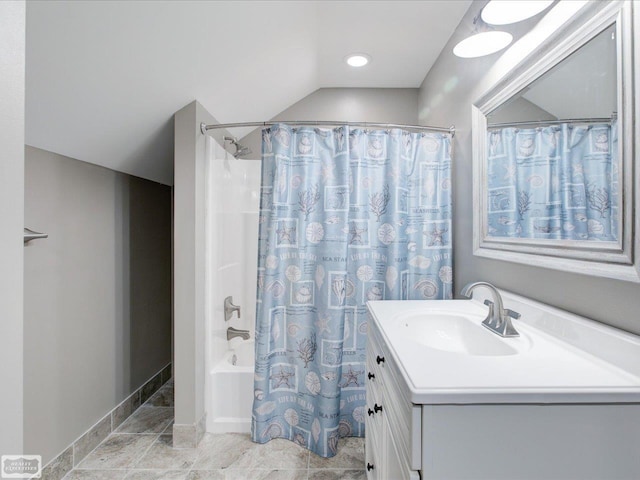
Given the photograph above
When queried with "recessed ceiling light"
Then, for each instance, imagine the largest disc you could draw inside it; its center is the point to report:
(358, 59)
(482, 44)
(504, 12)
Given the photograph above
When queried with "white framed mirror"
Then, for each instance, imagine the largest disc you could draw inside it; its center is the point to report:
(555, 176)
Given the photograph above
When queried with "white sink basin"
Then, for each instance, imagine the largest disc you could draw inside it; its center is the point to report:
(455, 333)
(446, 355)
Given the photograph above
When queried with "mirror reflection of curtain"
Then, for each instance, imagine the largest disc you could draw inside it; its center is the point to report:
(553, 182)
(346, 216)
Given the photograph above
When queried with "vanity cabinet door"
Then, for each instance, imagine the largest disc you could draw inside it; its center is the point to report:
(371, 453)
(374, 434)
(390, 424)
(394, 467)
(382, 459)
(375, 427)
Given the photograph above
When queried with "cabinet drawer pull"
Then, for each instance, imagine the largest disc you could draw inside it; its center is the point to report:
(369, 467)
(377, 408)
(371, 376)
(370, 412)
(379, 359)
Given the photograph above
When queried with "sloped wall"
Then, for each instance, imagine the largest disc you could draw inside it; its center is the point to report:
(381, 105)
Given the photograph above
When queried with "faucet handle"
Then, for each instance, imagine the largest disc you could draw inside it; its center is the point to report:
(491, 319)
(229, 308)
(510, 313)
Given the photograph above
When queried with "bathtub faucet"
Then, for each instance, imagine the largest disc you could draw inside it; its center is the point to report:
(499, 318)
(234, 332)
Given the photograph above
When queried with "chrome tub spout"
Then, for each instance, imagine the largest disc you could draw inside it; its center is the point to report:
(234, 332)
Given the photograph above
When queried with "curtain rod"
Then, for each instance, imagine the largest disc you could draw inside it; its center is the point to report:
(553, 122)
(204, 127)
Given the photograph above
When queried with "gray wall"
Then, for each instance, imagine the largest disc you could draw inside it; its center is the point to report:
(12, 68)
(189, 274)
(97, 319)
(381, 105)
(446, 95)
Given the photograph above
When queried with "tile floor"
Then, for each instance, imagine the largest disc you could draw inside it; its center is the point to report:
(140, 449)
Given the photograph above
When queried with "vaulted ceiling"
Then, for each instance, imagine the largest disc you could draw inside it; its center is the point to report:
(104, 78)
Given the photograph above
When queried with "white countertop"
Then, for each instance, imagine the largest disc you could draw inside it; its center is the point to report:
(562, 358)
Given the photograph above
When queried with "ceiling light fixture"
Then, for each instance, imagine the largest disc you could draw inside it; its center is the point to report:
(504, 12)
(358, 59)
(482, 44)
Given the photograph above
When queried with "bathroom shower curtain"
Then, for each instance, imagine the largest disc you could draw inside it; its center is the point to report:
(346, 216)
(555, 182)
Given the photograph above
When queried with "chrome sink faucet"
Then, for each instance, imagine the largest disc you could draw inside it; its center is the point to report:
(499, 318)
(234, 332)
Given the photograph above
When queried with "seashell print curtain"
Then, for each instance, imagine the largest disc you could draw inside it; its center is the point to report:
(555, 182)
(346, 216)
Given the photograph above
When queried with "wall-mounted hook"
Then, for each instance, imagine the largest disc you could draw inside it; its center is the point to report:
(33, 235)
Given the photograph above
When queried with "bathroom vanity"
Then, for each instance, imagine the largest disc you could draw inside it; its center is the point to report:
(449, 399)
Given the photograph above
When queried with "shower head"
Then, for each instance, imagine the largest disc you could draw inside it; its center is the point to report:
(241, 150)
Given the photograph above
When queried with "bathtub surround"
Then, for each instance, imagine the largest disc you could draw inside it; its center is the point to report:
(232, 206)
(97, 295)
(156, 392)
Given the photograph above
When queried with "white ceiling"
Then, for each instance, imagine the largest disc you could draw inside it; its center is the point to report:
(104, 78)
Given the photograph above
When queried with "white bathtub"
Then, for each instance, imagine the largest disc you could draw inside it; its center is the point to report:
(231, 381)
